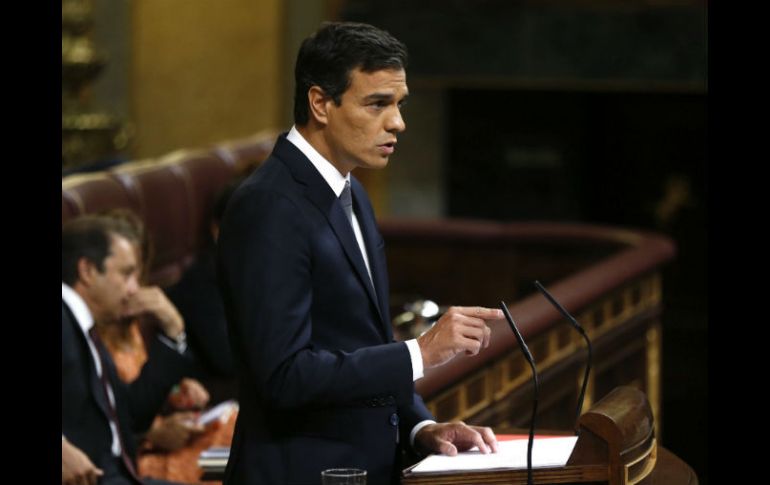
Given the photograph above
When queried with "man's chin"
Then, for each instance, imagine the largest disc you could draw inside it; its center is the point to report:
(375, 163)
(379, 163)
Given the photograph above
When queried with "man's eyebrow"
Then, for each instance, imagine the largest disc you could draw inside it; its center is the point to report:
(382, 97)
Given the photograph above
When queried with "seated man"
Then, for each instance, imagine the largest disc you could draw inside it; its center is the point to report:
(100, 414)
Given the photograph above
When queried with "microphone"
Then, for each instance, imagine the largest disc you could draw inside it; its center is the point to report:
(582, 331)
(528, 356)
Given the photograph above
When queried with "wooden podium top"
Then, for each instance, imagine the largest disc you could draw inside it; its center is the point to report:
(669, 470)
(616, 444)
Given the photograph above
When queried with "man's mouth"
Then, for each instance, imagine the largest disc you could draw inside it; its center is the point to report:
(387, 148)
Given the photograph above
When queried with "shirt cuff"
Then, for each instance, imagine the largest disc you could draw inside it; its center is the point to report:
(416, 355)
(417, 428)
(179, 344)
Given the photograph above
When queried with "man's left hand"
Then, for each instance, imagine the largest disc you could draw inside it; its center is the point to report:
(189, 395)
(449, 438)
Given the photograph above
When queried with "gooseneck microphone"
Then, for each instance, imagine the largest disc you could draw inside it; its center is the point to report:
(582, 331)
(528, 356)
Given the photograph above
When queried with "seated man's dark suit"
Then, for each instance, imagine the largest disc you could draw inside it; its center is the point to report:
(85, 410)
(322, 382)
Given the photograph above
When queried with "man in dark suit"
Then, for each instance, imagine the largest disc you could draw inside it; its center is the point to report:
(100, 414)
(303, 275)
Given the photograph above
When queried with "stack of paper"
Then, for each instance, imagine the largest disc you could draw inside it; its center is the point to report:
(221, 412)
(546, 452)
(214, 459)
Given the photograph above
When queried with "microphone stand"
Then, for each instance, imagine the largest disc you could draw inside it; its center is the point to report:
(528, 356)
(582, 331)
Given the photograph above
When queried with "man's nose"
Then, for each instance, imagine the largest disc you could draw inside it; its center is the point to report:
(395, 122)
(133, 285)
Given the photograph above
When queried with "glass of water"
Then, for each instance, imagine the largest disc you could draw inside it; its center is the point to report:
(343, 476)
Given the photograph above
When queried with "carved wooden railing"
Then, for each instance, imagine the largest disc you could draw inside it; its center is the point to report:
(608, 278)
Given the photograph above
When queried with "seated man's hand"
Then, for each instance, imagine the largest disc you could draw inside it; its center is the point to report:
(449, 438)
(174, 431)
(76, 467)
(152, 300)
(460, 329)
(189, 395)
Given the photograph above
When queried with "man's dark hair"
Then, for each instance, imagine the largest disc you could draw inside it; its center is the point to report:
(129, 225)
(327, 58)
(89, 237)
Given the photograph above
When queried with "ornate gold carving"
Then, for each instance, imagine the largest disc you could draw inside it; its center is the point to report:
(653, 373)
(87, 135)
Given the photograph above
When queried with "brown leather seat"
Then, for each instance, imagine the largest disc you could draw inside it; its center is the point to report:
(246, 154)
(93, 192)
(173, 195)
(207, 174)
(163, 194)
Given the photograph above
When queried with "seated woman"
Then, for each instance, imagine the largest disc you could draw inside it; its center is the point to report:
(171, 447)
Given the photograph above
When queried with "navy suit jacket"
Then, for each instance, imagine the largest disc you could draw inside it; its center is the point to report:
(85, 410)
(322, 382)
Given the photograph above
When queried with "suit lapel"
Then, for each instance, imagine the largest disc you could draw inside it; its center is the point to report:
(322, 196)
(97, 389)
(377, 264)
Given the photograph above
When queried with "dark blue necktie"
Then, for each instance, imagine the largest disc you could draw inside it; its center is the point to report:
(102, 351)
(347, 201)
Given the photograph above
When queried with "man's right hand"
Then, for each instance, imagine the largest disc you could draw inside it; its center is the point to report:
(460, 329)
(76, 467)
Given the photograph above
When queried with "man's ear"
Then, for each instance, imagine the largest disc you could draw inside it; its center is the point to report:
(86, 271)
(318, 103)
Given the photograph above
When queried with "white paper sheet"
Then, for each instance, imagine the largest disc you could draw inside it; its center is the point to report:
(221, 411)
(216, 452)
(546, 452)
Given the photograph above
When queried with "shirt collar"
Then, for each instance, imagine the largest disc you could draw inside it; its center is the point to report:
(78, 306)
(328, 171)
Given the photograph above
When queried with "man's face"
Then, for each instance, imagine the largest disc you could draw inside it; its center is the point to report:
(109, 291)
(361, 131)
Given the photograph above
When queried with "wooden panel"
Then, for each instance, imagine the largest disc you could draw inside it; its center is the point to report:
(204, 74)
(624, 330)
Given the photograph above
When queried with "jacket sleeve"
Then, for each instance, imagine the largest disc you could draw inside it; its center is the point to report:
(147, 393)
(410, 416)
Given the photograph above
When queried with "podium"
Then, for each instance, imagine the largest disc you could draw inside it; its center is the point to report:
(616, 445)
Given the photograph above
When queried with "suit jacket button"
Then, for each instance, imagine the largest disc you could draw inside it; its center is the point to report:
(394, 419)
